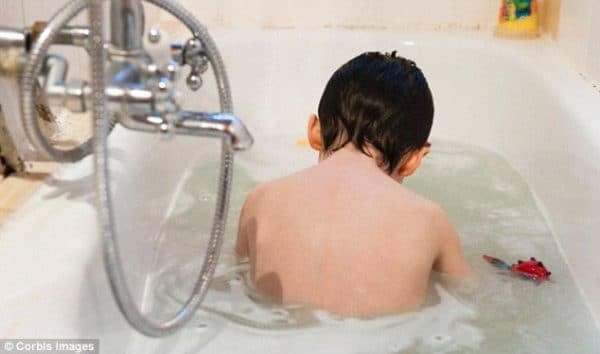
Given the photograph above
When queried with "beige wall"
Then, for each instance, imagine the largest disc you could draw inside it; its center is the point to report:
(574, 24)
(593, 54)
(306, 13)
(550, 16)
(574, 31)
(578, 36)
(360, 13)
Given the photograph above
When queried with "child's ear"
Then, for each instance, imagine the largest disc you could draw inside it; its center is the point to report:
(314, 133)
(413, 162)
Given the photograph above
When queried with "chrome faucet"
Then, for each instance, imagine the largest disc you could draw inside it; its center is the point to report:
(135, 84)
(127, 88)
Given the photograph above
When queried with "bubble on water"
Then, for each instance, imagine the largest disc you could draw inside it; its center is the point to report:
(438, 340)
(201, 327)
(503, 187)
(279, 312)
(396, 347)
(207, 197)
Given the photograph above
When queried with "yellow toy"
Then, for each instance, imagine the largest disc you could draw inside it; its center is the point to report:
(518, 18)
(302, 143)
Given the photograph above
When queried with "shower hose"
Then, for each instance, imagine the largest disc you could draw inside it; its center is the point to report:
(102, 126)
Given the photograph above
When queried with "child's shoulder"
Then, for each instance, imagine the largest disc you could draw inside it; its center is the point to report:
(298, 179)
(407, 198)
(276, 187)
(422, 212)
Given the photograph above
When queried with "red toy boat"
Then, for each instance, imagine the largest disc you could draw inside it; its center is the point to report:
(531, 269)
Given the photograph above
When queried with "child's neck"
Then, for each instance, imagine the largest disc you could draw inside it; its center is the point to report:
(351, 159)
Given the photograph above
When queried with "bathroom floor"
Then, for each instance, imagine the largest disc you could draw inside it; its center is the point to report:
(15, 188)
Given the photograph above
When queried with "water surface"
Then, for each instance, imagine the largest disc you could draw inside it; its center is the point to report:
(493, 210)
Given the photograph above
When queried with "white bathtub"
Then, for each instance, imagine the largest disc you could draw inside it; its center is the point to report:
(517, 98)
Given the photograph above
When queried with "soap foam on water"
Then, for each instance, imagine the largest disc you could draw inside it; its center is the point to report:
(493, 211)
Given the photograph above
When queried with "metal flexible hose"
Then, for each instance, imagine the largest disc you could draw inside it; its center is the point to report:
(112, 258)
(31, 71)
(38, 53)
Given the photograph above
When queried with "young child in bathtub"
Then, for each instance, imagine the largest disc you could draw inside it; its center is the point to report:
(345, 235)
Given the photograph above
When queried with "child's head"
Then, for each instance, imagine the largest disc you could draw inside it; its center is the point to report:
(376, 102)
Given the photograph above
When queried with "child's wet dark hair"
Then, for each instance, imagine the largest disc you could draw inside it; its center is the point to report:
(376, 99)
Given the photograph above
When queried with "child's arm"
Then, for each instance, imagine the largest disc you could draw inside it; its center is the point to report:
(241, 244)
(247, 223)
(450, 259)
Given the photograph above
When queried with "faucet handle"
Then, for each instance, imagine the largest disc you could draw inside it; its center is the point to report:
(194, 55)
(191, 53)
(194, 80)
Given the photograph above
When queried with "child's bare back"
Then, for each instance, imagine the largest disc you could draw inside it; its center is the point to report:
(345, 235)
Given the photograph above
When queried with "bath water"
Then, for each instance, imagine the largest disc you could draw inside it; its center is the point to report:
(494, 212)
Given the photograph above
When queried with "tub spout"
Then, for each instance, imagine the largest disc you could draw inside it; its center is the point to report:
(200, 123)
(194, 123)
